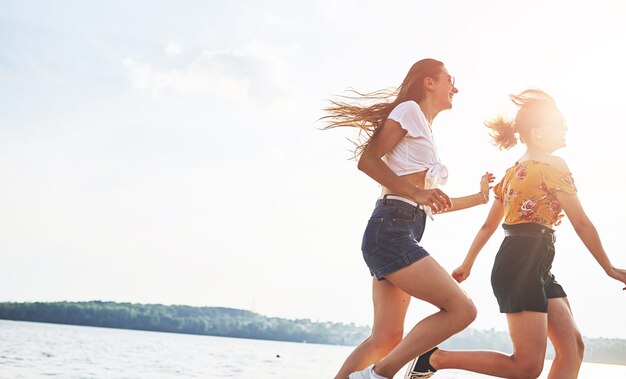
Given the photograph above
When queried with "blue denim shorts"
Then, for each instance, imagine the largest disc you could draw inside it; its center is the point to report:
(390, 241)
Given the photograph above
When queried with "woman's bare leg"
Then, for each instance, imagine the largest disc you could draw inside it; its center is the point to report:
(566, 338)
(428, 281)
(390, 306)
(528, 332)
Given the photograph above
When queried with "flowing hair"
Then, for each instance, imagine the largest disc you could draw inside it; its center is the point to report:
(353, 110)
(532, 105)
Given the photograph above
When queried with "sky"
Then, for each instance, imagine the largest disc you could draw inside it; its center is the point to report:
(170, 152)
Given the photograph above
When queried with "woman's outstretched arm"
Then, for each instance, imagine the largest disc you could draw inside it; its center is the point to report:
(484, 233)
(482, 197)
(588, 234)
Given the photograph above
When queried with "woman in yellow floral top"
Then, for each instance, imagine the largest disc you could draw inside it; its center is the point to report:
(528, 193)
(531, 198)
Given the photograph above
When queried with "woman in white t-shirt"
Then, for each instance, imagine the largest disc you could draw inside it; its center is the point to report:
(400, 154)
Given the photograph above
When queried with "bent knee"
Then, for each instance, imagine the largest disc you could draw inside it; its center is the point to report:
(580, 344)
(529, 370)
(471, 312)
(578, 347)
(467, 312)
(574, 349)
(464, 312)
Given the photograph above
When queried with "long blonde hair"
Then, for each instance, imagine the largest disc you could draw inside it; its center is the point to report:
(369, 118)
(532, 106)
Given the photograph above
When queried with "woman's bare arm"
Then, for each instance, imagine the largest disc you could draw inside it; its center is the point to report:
(484, 233)
(372, 164)
(588, 234)
(482, 197)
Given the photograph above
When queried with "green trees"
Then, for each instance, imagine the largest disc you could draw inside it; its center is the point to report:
(214, 321)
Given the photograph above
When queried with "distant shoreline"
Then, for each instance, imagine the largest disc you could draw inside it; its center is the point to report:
(237, 323)
(212, 321)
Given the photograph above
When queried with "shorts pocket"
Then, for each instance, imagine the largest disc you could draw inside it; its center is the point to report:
(369, 244)
(404, 215)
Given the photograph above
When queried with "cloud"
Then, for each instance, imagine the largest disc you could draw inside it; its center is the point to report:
(251, 73)
(173, 48)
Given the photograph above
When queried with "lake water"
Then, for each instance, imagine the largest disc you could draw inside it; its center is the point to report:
(37, 350)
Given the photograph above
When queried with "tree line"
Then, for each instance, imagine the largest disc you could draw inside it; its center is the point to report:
(237, 323)
(211, 321)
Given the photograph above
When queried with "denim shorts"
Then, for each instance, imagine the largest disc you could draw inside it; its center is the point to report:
(390, 241)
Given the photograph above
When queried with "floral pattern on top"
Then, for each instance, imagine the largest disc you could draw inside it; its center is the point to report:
(528, 192)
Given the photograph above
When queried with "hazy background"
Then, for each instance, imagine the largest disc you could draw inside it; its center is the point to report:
(168, 152)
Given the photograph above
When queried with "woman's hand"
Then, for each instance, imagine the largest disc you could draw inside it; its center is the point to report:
(462, 273)
(618, 274)
(485, 186)
(435, 198)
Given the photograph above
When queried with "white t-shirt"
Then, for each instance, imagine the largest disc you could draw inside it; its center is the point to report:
(416, 151)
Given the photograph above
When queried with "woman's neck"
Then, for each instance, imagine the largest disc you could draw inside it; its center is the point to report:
(535, 153)
(429, 110)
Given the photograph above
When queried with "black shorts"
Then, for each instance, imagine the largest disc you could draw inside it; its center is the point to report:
(521, 277)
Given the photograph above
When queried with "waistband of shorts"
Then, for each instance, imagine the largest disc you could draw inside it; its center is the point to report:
(398, 201)
(529, 229)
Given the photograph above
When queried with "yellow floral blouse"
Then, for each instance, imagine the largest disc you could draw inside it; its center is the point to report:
(528, 193)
